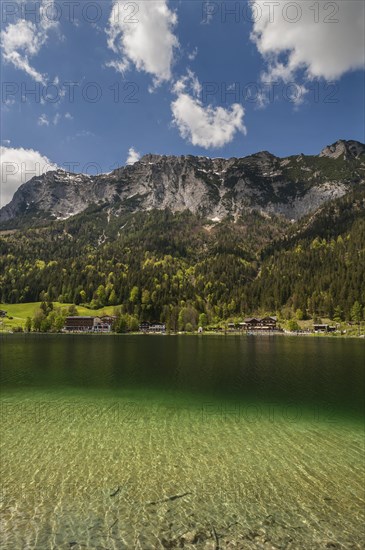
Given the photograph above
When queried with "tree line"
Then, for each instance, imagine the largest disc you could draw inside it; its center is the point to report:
(186, 271)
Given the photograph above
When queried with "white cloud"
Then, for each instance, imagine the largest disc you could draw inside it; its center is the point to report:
(24, 39)
(207, 126)
(43, 120)
(143, 38)
(189, 81)
(19, 42)
(133, 156)
(204, 126)
(192, 55)
(295, 38)
(19, 166)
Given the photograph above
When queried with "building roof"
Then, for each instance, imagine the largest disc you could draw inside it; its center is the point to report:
(78, 317)
(260, 319)
(269, 317)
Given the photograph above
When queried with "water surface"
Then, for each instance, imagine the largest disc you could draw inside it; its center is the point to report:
(262, 435)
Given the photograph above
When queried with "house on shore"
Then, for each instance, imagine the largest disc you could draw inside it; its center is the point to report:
(319, 328)
(89, 324)
(79, 324)
(104, 323)
(152, 327)
(259, 323)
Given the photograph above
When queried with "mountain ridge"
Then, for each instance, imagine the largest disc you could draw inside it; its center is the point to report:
(292, 187)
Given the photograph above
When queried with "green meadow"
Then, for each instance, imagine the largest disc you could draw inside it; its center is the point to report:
(20, 312)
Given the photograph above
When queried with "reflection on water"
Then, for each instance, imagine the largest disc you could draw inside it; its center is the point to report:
(173, 442)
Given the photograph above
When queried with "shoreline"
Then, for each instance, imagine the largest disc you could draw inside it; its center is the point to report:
(204, 334)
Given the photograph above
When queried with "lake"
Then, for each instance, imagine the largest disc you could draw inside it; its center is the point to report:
(146, 442)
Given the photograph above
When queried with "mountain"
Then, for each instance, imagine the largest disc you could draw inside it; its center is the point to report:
(347, 149)
(173, 238)
(214, 188)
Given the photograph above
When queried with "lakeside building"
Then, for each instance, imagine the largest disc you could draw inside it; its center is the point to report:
(152, 327)
(104, 323)
(259, 323)
(323, 328)
(89, 324)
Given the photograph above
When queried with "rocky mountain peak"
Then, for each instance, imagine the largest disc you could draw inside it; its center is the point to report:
(349, 149)
(264, 155)
(150, 157)
(211, 187)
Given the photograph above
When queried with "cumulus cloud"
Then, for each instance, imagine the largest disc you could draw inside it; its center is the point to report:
(142, 34)
(19, 166)
(24, 39)
(204, 126)
(133, 156)
(302, 37)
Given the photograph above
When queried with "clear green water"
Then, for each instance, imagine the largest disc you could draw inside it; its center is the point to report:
(266, 436)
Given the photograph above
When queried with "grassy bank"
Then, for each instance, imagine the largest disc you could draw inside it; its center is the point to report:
(18, 313)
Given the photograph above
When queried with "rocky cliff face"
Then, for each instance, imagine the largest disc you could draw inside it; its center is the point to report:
(215, 188)
(347, 149)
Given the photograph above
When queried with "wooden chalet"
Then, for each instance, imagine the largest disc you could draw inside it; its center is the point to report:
(268, 323)
(321, 328)
(251, 323)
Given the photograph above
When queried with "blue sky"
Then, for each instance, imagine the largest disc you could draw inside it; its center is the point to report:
(163, 64)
